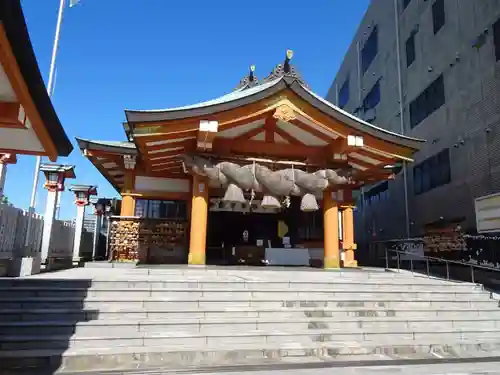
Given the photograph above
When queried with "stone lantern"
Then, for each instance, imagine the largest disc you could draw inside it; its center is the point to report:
(55, 176)
(82, 199)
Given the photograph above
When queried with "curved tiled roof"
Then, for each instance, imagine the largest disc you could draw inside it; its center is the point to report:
(232, 96)
(251, 95)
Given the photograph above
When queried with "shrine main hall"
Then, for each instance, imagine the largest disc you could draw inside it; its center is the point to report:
(266, 174)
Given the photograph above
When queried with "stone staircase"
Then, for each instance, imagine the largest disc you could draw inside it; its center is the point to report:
(99, 319)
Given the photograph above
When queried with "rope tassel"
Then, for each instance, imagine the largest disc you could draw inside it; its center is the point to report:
(309, 203)
(268, 201)
(234, 194)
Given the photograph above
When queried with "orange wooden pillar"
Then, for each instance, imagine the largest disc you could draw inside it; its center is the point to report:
(199, 221)
(348, 237)
(128, 201)
(331, 231)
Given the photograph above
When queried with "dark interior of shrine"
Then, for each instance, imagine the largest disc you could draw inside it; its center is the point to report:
(227, 242)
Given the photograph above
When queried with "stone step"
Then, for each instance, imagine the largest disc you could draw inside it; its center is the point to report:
(37, 285)
(180, 358)
(107, 313)
(182, 339)
(209, 326)
(356, 294)
(257, 303)
(298, 276)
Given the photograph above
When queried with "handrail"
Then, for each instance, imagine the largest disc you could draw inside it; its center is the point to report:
(445, 260)
(428, 258)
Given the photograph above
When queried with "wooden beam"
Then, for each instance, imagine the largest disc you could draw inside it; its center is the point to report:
(189, 144)
(227, 119)
(22, 152)
(288, 137)
(270, 127)
(111, 179)
(311, 130)
(166, 167)
(243, 120)
(9, 115)
(375, 154)
(163, 154)
(166, 135)
(165, 174)
(361, 163)
(251, 147)
(372, 176)
(104, 154)
(366, 153)
(340, 146)
(249, 134)
(166, 163)
(159, 195)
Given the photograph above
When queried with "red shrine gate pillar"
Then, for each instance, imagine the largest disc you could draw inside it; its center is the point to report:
(199, 221)
(348, 244)
(331, 231)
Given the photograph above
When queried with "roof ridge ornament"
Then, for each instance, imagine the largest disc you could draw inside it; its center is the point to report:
(286, 70)
(248, 81)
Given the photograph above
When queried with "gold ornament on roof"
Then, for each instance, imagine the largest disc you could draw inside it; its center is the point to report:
(284, 113)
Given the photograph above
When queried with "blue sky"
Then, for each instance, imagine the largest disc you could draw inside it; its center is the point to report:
(147, 54)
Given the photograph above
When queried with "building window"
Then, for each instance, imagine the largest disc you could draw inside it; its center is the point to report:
(431, 99)
(432, 172)
(370, 50)
(496, 39)
(406, 3)
(410, 50)
(438, 15)
(160, 209)
(378, 193)
(372, 98)
(344, 94)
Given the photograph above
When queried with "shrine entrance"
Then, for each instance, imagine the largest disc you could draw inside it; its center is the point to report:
(270, 144)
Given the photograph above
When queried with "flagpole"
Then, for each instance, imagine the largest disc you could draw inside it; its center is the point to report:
(49, 90)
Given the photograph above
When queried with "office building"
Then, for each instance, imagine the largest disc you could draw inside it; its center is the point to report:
(428, 69)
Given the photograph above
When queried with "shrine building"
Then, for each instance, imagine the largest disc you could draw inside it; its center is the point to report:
(266, 174)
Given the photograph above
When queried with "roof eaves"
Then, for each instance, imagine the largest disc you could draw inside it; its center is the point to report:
(13, 21)
(224, 103)
(127, 148)
(353, 121)
(106, 176)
